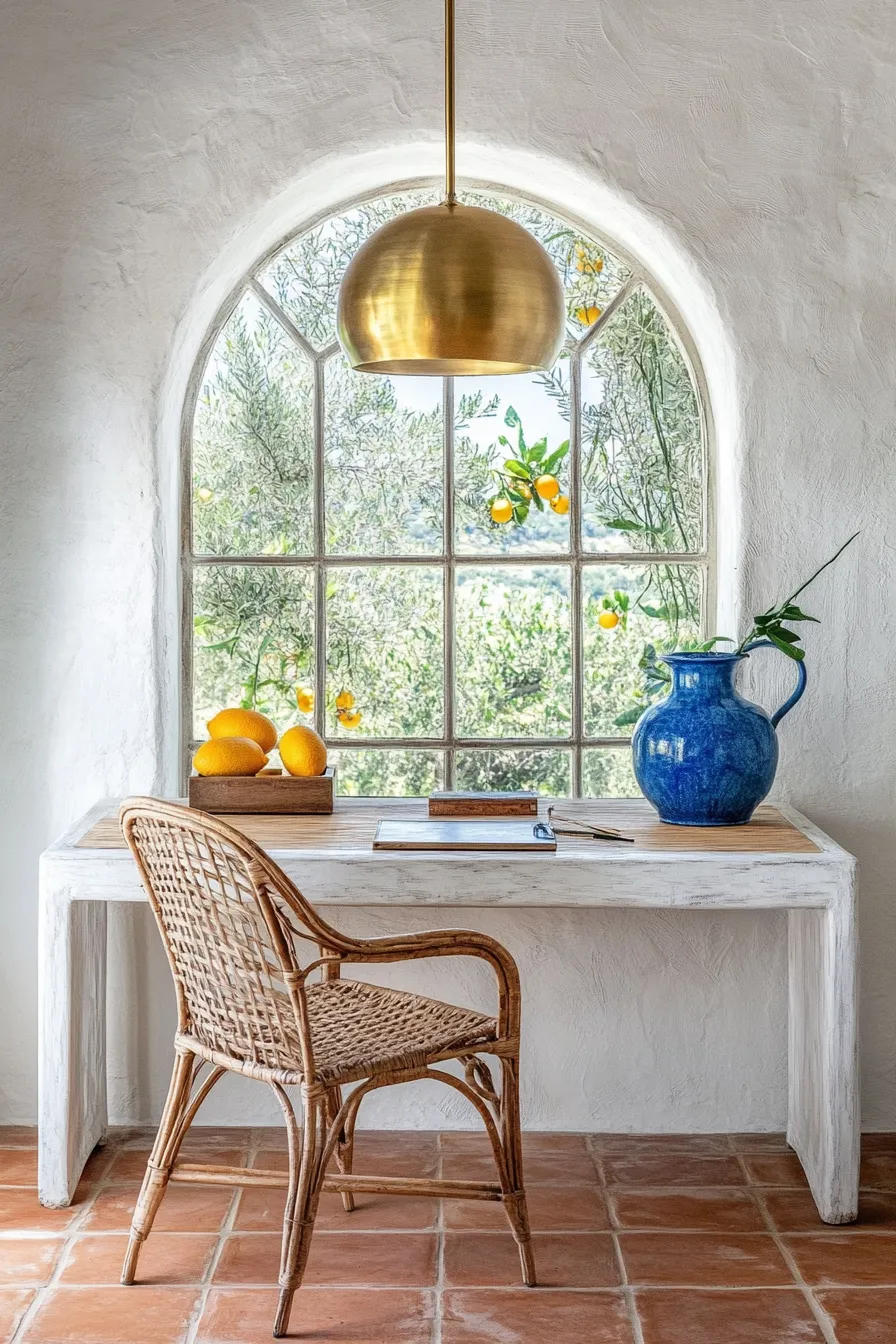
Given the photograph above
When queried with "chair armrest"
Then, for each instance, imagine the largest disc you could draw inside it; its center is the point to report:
(449, 943)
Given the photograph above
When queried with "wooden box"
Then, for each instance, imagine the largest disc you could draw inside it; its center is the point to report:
(521, 804)
(277, 795)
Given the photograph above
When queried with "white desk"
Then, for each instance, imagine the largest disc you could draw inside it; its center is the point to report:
(779, 862)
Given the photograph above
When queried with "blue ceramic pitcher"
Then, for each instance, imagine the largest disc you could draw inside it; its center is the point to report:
(705, 756)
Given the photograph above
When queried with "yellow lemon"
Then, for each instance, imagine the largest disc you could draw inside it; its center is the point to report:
(522, 489)
(608, 620)
(501, 511)
(587, 315)
(204, 495)
(349, 718)
(229, 756)
(560, 504)
(302, 751)
(244, 723)
(548, 487)
(305, 699)
(345, 700)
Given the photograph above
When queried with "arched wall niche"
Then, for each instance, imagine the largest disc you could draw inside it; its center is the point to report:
(677, 282)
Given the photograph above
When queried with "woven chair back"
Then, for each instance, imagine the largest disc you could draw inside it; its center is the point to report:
(228, 917)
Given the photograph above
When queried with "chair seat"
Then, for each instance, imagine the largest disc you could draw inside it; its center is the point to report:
(360, 1029)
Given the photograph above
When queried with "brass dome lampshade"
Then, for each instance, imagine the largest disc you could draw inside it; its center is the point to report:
(451, 289)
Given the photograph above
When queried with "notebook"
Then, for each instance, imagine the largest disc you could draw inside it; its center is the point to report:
(507, 835)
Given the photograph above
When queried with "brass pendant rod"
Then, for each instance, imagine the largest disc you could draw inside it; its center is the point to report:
(450, 180)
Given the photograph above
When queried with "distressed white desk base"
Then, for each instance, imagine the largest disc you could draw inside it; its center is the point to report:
(816, 889)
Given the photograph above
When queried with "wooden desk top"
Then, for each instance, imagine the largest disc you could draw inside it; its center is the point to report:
(352, 826)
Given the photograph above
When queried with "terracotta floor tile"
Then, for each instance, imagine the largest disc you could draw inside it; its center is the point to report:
(165, 1258)
(262, 1211)
(14, 1302)
(129, 1164)
(775, 1169)
(725, 1260)
(475, 1143)
(552, 1208)
(18, 1136)
(479, 1316)
(134, 1315)
(673, 1170)
(878, 1143)
(400, 1153)
(852, 1259)
(759, 1143)
(707, 1210)
(563, 1260)
(751, 1317)
(330, 1315)
(795, 1211)
(18, 1166)
(28, 1259)
(861, 1316)
(878, 1171)
(566, 1166)
(395, 1259)
(183, 1209)
(660, 1145)
(20, 1211)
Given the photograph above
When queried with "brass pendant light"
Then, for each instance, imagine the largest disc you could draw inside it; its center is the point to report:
(451, 288)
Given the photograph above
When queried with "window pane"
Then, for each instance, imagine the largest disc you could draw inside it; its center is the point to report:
(253, 641)
(607, 773)
(384, 467)
(642, 453)
(387, 774)
(305, 277)
(664, 606)
(545, 772)
(512, 658)
(253, 436)
(591, 274)
(384, 650)
(537, 405)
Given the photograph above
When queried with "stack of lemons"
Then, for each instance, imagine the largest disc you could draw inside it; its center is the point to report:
(240, 740)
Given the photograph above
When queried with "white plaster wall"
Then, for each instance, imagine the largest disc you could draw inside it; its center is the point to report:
(745, 150)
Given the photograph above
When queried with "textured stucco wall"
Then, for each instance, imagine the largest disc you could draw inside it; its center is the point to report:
(744, 150)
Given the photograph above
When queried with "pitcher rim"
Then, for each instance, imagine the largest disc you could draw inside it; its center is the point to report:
(708, 655)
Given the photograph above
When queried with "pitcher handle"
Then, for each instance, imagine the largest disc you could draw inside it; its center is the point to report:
(800, 685)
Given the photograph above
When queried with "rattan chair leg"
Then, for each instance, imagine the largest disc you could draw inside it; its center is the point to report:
(306, 1173)
(512, 1145)
(161, 1160)
(344, 1144)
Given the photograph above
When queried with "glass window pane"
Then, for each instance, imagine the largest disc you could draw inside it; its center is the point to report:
(305, 276)
(384, 651)
(545, 772)
(387, 774)
(663, 607)
(253, 436)
(607, 773)
(530, 412)
(253, 642)
(591, 274)
(384, 466)
(512, 656)
(642, 450)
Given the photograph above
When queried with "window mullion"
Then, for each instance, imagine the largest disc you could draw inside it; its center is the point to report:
(576, 614)
(320, 574)
(448, 548)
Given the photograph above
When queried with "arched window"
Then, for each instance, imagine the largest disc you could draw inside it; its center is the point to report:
(342, 567)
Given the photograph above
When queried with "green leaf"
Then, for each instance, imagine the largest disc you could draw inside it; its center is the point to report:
(629, 717)
(511, 418)
(538, 501)
(552, 462)
(537, 451)
(516, 468)
(792, 613)
(797, 654)
(657, 613)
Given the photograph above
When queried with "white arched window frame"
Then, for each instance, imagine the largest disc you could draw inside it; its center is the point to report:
(580, 560)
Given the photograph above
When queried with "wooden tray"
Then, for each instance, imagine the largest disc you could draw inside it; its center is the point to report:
(275, 795)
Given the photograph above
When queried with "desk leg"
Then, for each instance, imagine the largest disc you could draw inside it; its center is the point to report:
(823, 1106)
(72, 1114)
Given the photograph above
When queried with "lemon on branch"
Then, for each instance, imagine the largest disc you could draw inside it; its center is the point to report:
(501, 510)
(547, 487)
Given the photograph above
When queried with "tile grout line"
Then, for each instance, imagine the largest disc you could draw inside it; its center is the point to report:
(253, 1146)
(821, 1317)
(440, 1256)
(69, 1236)
(628, 1295)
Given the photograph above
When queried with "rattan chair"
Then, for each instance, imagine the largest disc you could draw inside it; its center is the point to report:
(232, 924)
